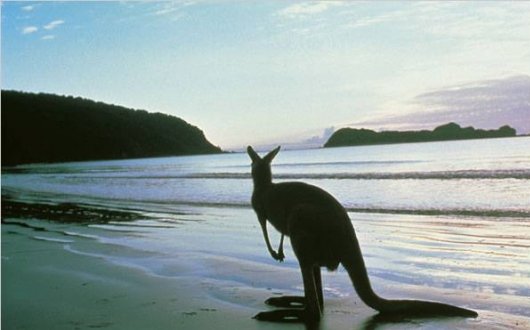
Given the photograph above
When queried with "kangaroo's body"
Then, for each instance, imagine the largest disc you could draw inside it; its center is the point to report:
(321, 235)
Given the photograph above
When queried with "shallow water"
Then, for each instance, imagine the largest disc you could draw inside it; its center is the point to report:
(445, 221)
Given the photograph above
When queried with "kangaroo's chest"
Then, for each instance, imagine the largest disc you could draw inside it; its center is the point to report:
(286, 204)
(273, 209)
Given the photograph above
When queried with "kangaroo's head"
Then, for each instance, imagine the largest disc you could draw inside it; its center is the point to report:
(261, 167)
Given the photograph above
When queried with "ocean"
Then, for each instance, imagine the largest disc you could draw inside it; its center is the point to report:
(474, 177)
(451, 218)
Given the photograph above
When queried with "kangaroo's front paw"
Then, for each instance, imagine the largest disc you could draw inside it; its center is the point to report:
(280, 256)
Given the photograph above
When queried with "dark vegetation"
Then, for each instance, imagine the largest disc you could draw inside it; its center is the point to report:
(450, 131)
(50, 128)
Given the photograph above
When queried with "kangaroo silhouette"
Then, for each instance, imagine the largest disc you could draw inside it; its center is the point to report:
(321, 234)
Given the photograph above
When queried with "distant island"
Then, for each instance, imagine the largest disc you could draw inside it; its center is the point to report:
(450, 131)
(48, 128)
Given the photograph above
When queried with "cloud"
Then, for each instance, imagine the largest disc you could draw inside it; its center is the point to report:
(52, 25)
(398, 15)
(487, 21)
(30, 29)
(171, 8)
(483, 104)
(165, 11)
(27, 8)
(300, 10)
(48, 37)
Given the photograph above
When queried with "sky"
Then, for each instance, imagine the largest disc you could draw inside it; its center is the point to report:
(271, 72)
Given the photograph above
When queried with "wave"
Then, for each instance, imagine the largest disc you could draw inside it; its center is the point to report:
(447, 212)
(55, 206)
(54, 240)
(518, 174)
(153, 209)
(338, 163)
(68, 169)
(290, 172)
(436, 175)
(496, 213)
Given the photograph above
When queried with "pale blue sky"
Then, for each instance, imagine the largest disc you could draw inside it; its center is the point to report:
(259, 72)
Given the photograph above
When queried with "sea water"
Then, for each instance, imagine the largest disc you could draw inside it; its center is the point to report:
(475, 177)
(453, 217)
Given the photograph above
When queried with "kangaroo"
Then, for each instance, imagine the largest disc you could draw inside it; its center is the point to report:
(322, 235)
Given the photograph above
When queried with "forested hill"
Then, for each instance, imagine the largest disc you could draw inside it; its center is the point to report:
(450, 131)
(50, 128)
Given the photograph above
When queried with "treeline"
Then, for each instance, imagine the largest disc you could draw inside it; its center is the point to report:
(450, 131)
(50, 128)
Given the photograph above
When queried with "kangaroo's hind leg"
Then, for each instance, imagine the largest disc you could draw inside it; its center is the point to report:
(286, 301)
(318, 283)
(309, 314)
(299, 301)
(303, 243)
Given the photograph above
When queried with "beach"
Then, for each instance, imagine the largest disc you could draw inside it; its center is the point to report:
(78, 252)
(68, 276)
(145, 145)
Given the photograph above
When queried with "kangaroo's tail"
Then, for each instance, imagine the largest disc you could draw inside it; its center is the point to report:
(353, 261)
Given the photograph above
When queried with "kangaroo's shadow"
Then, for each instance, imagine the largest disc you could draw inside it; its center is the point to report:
(378, 320)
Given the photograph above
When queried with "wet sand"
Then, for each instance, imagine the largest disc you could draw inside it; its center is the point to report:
(44, 286)
(120, 276)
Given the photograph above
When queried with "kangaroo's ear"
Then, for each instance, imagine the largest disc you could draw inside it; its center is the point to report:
(253, 155)
(270, 156)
